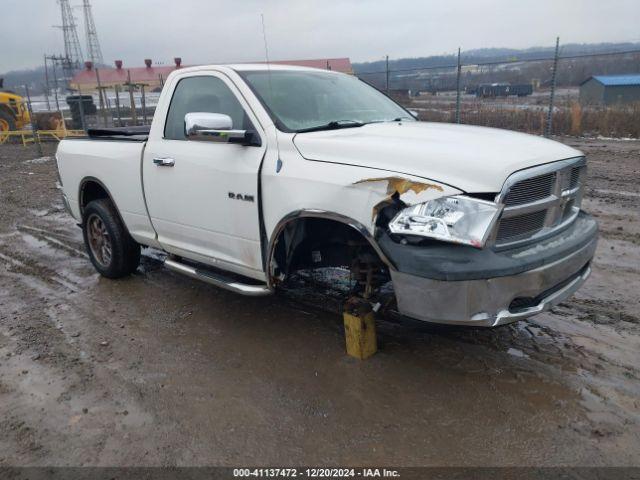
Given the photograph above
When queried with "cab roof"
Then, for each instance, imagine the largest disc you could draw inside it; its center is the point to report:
(252, 67)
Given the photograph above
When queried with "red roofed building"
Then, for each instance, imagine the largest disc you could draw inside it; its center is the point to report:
(154, 76)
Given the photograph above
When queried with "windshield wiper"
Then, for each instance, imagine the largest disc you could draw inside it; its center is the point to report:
(334, 125)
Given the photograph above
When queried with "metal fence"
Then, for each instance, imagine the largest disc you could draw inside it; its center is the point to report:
(55, 114)
(124, 104)
(538, 94)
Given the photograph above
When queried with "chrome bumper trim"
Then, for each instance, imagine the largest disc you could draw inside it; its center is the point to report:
(505, 316)
(486, 302)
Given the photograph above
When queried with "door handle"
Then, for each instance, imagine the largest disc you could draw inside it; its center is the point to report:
(164, 162)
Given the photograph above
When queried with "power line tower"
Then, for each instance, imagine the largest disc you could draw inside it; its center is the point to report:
(93, 45)
(72, 50)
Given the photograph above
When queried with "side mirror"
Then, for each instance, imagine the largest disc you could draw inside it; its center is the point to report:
(213, 127)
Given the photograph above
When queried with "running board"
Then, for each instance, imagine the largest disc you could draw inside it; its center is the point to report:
(218, 280)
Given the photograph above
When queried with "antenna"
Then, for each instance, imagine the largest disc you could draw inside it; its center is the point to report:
(93, 45)
(266, 55)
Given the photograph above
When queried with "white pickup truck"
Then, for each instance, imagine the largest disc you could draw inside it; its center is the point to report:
(250, 173)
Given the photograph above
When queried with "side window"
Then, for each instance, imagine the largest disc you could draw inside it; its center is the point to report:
(202, 94)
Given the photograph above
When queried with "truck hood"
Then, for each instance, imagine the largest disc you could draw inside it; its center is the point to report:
(472, 159)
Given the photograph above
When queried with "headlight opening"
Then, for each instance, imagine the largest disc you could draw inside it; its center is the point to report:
(456, 219)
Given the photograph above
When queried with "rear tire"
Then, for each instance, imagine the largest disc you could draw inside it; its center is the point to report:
(7, 122)
(111, 249)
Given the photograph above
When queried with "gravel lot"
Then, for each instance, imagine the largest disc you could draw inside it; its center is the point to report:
(158, 369)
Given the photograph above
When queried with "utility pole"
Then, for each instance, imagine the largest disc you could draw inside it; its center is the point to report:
(55, 59)
(459, 72)
(34, 124)
(102, 101)
(117, 90)
(387, 73)
(81, 105)
(94, 52)
(134, 114)
(55, 85)
(144, 103)
(46, 82)
(549, 127)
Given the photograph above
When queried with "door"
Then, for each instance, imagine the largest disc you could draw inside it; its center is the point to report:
(202, 196)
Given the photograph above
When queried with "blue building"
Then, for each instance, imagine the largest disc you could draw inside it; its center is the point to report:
(610, 89)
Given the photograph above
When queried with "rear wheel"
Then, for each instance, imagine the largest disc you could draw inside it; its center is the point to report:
(111, 249)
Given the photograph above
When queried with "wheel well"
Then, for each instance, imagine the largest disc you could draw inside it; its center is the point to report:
(92, 190)
(309, 243)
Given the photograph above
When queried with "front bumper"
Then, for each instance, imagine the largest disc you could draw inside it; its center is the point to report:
(511, 286)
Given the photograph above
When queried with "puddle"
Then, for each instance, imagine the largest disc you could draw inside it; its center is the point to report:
(517, 353)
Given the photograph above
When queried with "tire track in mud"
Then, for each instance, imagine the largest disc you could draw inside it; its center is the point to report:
(36, 274)
(40, 257)
(599, 311)
(55, 240)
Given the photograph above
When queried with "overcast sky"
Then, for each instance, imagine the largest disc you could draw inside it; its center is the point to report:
(210, 31)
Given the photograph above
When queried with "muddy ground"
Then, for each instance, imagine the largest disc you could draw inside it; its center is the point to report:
(159, 369)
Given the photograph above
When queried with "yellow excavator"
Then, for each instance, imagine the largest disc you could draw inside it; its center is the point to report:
(14, 114)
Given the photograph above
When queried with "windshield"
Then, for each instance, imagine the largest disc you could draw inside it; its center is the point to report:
(306, 100)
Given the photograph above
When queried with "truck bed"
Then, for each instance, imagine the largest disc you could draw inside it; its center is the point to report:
(114, 161)
(133, 134)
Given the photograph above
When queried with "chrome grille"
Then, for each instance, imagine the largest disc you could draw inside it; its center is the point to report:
(576, 173)
(527, 224)
(531, 189)
(539, 200)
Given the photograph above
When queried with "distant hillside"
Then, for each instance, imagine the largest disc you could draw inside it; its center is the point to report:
(33, 78)
(494, 55)
(406, 73)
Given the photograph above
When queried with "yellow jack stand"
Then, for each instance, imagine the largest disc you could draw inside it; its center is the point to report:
(360, 330)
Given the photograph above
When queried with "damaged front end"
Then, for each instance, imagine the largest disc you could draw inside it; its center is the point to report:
(435, 254)
(491, 259)
(333, 250)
